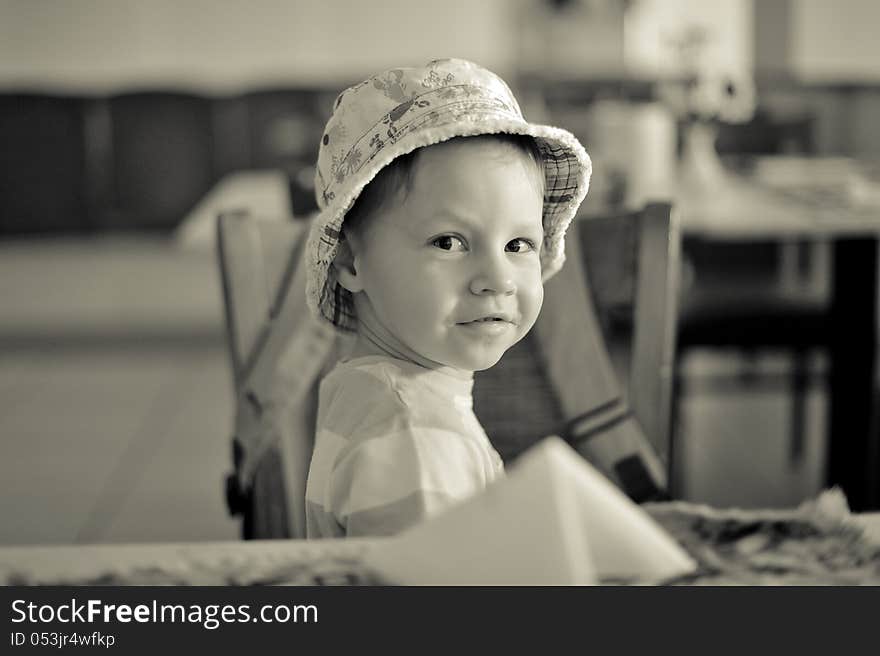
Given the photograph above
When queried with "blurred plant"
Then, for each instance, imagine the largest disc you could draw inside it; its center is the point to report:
(707, 92)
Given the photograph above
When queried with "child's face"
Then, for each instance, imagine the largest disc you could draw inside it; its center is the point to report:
(452, 271)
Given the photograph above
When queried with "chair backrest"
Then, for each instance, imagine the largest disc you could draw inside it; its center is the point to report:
(257, 265)
(629, 263)
(285, 127)
(633, 263)
(43, 164)
(162, 158)
(630, 268)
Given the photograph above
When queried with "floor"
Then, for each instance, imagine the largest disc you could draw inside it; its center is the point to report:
(119, 446)
(115, 408)
(734, 437)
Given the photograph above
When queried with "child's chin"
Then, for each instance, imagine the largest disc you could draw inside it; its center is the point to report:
(475, 359)
(483, 363)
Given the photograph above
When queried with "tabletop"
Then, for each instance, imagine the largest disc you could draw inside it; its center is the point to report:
(264, 562)
(779, 197)
(252, 562)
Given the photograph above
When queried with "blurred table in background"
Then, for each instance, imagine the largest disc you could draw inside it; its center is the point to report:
(787, 197)
(833, 201)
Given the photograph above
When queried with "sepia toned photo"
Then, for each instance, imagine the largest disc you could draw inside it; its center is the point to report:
(540, 293)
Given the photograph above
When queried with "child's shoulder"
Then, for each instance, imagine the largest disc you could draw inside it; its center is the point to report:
(364, 380)
(370, 370)
(363, 393)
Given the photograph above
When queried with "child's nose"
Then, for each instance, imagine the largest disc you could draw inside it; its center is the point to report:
(494, 278)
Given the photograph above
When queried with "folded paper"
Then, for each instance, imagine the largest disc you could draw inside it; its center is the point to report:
(554, 520)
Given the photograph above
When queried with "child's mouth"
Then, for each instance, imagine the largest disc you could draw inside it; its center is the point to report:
(491, 318)
(491, 326)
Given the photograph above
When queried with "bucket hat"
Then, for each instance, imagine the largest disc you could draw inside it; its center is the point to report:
(399, 110)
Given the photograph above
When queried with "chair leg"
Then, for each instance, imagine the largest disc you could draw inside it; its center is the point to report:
(675, 464)
(799, 383)
(247, 521)
(269, 507)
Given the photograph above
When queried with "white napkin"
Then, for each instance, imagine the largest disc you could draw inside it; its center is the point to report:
(553, 520)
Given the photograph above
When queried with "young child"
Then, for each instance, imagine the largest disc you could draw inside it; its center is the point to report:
(442, 213)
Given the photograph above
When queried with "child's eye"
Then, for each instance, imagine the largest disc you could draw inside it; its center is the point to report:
(519, 245)
(448, 243)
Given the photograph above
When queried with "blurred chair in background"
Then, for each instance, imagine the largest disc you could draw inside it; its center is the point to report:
(140, 161)
(279, 354)
(285, 127)
(162, 159)
(43, 164)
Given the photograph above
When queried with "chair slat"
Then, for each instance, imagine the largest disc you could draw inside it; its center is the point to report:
(655, 315)
(245, 292)
(626, 267)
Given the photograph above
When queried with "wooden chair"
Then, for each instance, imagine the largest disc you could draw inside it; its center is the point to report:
(629, 265)
(634, 276)
(625, 267)
(263, 285)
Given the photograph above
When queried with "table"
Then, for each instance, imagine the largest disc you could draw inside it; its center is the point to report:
(305, 562)
(749, 207)
(302, 562)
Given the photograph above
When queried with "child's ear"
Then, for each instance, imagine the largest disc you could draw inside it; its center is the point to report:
(346, 273)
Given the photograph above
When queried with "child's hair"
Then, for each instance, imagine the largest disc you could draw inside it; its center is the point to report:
(398, 177)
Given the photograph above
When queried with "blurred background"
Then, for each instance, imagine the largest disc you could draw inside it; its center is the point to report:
(125, 126)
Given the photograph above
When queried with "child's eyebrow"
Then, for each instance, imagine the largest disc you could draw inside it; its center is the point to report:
(465, 221)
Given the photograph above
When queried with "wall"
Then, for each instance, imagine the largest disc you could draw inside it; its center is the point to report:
(570, 40)
(227, 45)
(650, 23)
(822, 57)
(836, 40)
(819, 41)
(230, 44)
